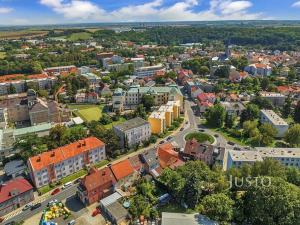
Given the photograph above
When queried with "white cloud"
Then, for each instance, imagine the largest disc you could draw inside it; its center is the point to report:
(296, 4)
(182, 10)
(4, 10)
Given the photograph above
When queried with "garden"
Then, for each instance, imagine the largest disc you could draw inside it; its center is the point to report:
(200, 137)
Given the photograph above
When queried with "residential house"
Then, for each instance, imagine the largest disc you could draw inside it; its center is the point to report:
(14, 194)
(168, 157)
(90, 97)
(205, 101)
(113, 210)
(15, 168)
(132, 132)
(58, 163)
(233, 108)
(95, 186)
(124, 173)
(199, 151)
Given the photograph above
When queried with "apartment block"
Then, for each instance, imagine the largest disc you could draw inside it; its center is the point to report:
(269, 116)
(275, 98)
(133, 131)
(148, 71)
(157, 122)
(53, 165)
(286, 156)
(161, 95)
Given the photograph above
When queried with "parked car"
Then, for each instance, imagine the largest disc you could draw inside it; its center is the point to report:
(55, 191)
(68, 184)
(161, 142)
(27, 206)
(181, 129)
(230, 143)
(72, 222)
(37, 205)
(201, 130)
(169, 138)
(216, 135)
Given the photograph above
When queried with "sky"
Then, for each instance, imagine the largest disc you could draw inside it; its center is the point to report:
(35, 12)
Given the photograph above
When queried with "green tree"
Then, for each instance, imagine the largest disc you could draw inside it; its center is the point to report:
(250, 129)
(268, 133)
(215, 116)
(265, 83)
(148, 102)
(30, 145)
(105, 119)
(287, 108)
(273, 203)
(222, 71)
(204, 70)
(140, 112)
(250, 113)
(293, 175)
(218, 207)
(292, 136)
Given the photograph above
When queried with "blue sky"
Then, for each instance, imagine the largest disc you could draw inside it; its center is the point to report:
(23, 12)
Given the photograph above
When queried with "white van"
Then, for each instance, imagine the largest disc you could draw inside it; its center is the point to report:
(68, 184)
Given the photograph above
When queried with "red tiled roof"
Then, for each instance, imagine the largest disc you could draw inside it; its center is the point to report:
(202, 97)
(15, 77)
(20, 185)
(168, 157)
(97, 178)
(122, 169)
(62, 153)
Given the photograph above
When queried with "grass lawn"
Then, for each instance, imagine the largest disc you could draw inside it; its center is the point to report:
(109, 126)
(200, 137)
(2, 55)
(228, 137)
(87, 112)
(79, 36)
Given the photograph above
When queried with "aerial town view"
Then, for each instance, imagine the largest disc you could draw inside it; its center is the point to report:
(150, 112)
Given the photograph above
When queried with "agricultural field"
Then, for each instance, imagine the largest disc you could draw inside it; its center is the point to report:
(22, 33)
(87, 112)
(79, 36)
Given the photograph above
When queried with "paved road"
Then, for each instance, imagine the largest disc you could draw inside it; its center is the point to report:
(23, 215)
(193, 124)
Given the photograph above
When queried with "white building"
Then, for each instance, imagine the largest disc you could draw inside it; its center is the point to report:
(53, 165)
(238, 158)
(287, 156)
(269, 116)
(275, 98)
(3, 118)
(148, 71)
(259, 69)
(133, 131)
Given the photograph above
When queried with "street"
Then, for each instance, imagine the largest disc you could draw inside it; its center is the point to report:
(191, 124)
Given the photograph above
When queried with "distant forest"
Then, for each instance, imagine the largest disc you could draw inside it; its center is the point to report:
(282, 38)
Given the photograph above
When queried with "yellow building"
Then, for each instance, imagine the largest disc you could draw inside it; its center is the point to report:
(176, 108)
(168, 110)
(157, 122)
